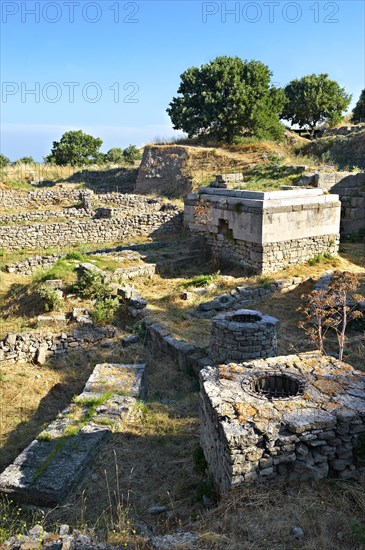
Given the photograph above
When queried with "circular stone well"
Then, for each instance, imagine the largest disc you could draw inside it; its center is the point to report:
(242, 335)
(274, 385)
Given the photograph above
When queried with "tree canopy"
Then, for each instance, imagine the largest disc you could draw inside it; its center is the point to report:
(313, 99)
(228, 97)
(358, 113)
(115, 155)
(4, 161)
(131, 154)
(76, 148)
(25, 160)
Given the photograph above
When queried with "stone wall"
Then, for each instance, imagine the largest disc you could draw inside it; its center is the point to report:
(34, 199)
(27, 347)
(265, 231)
(16, 237)
(45, 215)
(351, 189)
(161, 171)
(161, 340)
(297, 417)
(88, 199)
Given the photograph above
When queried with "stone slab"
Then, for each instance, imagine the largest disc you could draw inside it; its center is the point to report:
(51, 466)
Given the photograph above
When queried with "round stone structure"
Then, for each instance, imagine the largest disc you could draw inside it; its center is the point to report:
(242, 335)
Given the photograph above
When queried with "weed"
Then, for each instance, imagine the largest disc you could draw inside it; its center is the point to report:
(319, 258)
(10, 520)
(75, 255)
(358, 532)
(93, 401)
(62, 269)
(137, 328)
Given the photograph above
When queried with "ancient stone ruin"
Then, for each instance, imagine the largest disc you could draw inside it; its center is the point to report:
(265, 231)
(45, 472)
(297, 417)
(241, 335)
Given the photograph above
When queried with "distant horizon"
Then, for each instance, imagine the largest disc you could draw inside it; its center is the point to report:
(111, 68)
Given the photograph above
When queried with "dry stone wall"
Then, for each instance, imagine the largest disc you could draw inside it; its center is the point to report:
(45, 215)
(242, 335)
(28, 347)
(16, 237)
(34, 199)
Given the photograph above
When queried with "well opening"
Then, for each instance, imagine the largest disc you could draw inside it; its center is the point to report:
(277, 386)
(245, 318)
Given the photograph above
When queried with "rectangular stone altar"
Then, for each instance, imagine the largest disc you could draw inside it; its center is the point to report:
(266, 231)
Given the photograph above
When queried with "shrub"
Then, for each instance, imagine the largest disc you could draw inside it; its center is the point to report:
(90, 284)
(4, 161)
(25, 160)
(104, 310)
(51, 297)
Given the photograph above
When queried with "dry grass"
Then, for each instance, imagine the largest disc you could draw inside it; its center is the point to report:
(260, 516)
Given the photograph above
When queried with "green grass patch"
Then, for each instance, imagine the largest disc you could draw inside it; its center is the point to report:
(200, 280)
(268, 177)
(62, 269)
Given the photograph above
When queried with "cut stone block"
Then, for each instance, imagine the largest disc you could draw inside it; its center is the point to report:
(51, 466)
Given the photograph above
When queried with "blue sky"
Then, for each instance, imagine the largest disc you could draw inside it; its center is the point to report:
(111, 68)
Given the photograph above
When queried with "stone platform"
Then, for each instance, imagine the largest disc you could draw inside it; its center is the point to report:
(50, 467)
(266, 231)
(297, 417)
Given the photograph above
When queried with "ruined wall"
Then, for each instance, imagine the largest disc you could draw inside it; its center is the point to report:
(265, 231)
(16, 237)
(351, 190)
(161, 171)
(39, 346)
(86, 197)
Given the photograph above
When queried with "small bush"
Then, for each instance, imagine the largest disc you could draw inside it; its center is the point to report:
(319, 258)
(90, 284)
(51, 297)
(104, 310)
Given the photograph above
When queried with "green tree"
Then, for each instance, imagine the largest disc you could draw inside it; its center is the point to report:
(358, 113)
(115, 155)
(131, 154)
(226, 98)
(25, 160)
(4, 161)
(313, 99)
(77, 149)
